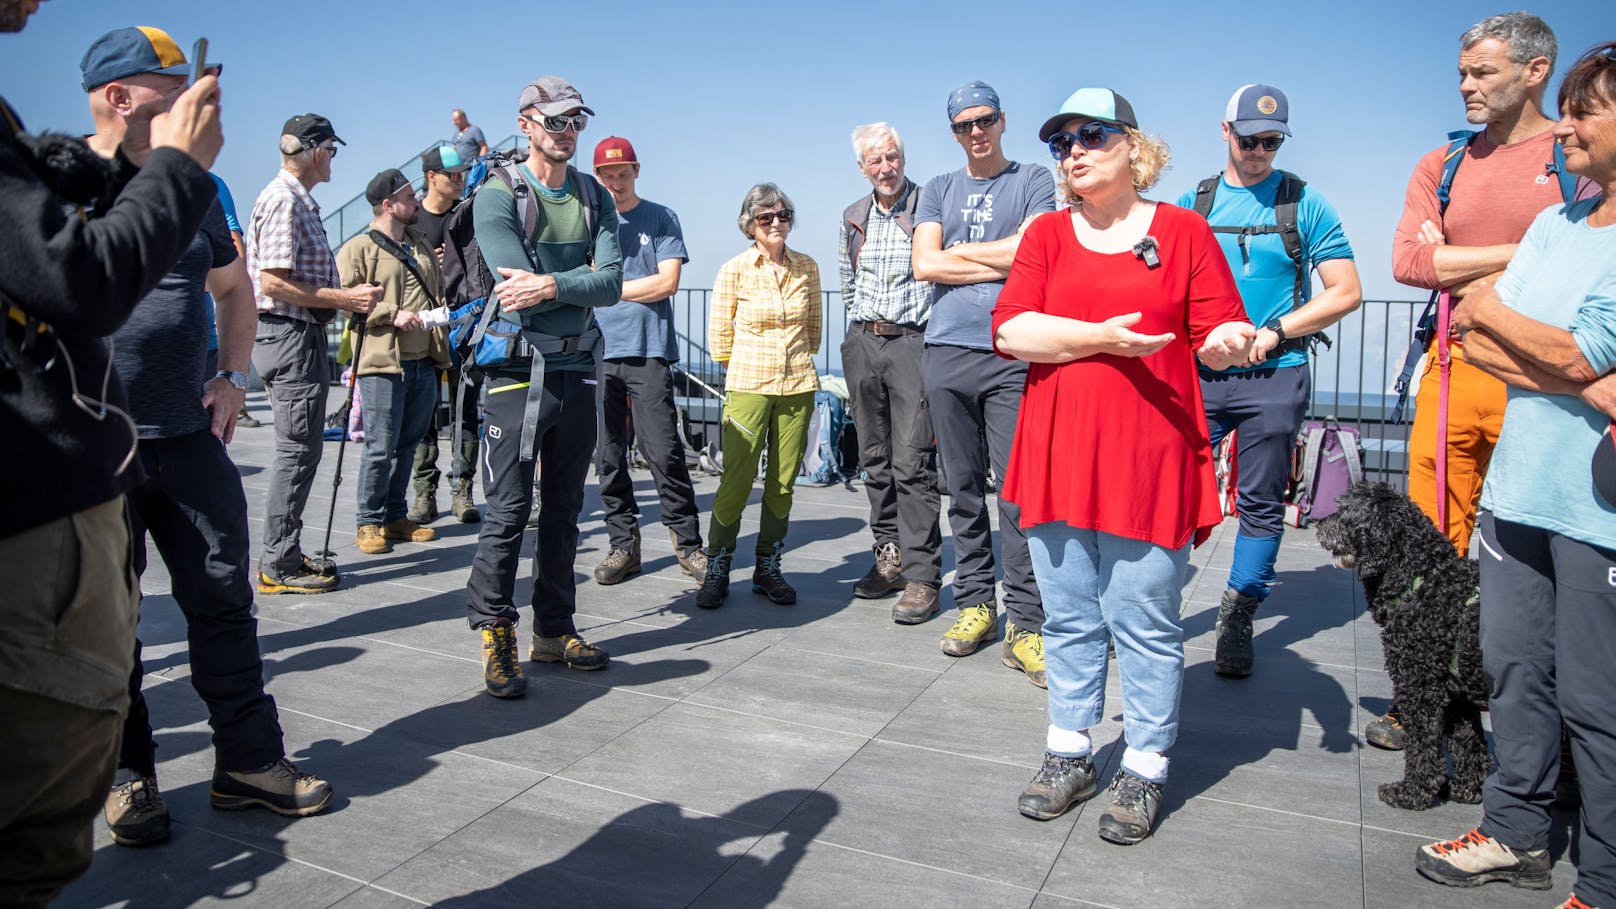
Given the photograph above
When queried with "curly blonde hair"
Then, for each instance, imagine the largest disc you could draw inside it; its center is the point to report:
(1146, 165)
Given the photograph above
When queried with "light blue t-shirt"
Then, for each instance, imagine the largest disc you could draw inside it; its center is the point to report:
(977, 211)
(648, 233)
(1265, 275)
(230, 221)
(1563, 274)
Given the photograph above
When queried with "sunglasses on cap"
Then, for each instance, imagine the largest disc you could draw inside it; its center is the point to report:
(1091, 135)
(560, 124)
(1269, 143)
(766, 218)
(986, 121)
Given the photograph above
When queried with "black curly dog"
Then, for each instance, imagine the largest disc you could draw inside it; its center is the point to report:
(1426, 600)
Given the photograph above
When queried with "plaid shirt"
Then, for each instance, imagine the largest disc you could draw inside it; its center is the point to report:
(884, 288)
(285, 232)
(767, 329)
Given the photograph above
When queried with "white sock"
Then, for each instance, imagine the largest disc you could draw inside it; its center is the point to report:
(1147, 765)
(1068, 742)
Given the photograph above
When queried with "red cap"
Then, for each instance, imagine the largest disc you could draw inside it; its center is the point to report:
(614, 150)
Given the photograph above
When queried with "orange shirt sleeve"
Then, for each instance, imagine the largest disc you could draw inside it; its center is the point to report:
(1414, 261)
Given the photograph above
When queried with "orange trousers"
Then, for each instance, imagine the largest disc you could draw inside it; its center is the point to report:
(1475, 415)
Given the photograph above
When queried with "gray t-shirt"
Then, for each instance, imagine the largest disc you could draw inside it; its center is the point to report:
(977, 211)
(469, 142)
(160, 351)
(648, 233)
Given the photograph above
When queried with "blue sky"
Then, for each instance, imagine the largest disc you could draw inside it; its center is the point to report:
(717, 96)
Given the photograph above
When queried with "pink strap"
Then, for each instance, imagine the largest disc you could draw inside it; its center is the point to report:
(1444, 359)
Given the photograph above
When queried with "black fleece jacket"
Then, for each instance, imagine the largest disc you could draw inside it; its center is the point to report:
(71, 280)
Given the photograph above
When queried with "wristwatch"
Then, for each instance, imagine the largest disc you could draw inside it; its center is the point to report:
(1274, 326)
(238, 379)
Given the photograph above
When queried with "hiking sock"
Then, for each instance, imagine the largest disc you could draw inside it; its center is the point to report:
(1069, 742)
(1253, 567)
(1147, 765)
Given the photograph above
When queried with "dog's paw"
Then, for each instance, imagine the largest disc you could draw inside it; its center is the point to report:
(1405, 796)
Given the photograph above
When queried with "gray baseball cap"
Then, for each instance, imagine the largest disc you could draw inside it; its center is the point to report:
(553, 96)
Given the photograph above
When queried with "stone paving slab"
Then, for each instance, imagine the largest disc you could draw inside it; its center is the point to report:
(817, 755)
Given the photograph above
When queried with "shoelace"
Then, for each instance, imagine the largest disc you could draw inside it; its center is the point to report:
(1132, 792)
(1054, 770)
(718, 566)
(888, 554)
(967, 616)
(141, 795)
(505, 650)
(1469, 840)
(770, 567)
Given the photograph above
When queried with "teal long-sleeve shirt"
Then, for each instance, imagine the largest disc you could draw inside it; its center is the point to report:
(560, 249)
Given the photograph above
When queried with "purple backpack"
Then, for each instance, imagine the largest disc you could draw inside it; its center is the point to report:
(1329, 461)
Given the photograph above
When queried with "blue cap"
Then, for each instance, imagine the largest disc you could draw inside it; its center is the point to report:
(130, 51)
(1258, 108)
(1101, 104)
(972, 94)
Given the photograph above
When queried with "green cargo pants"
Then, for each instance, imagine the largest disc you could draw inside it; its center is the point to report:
(751, 422)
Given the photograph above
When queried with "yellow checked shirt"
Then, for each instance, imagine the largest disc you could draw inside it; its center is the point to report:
(766, 326)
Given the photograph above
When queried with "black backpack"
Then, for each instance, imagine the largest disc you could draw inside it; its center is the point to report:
(1286, 199)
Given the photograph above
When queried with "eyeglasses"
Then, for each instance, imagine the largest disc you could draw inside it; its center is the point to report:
(1091, 135)
(766, 218)
(560, 124)
(986, 121)
(1269, 143)
(330, 150)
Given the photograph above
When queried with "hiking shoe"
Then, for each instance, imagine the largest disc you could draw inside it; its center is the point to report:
(767, 579)
(307, 578)
(1024, 650)
(424, 510)
(245, 420)
(136, 814)
(918, 603)
(371, 540)
(1132, 811)
(1234, 653)
(1474, 859)
(502, 674)
(1574, 903)
(1061, 783)
(715, 581)
(279, 786)
(692, 561)
(460, 504)
(619, 564)
(976, 625)
(885, 576)
(407, 531)
(568, 648)
(1387, 732)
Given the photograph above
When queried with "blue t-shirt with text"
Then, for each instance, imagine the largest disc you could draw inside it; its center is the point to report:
(649, 234)
(978, 211)
(1265, 275)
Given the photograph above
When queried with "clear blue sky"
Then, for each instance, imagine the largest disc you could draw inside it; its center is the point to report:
(717, 96)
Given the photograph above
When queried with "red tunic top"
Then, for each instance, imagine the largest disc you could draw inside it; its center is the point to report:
(1109, 443)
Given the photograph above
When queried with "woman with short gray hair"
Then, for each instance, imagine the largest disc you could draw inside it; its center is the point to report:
(765, 326)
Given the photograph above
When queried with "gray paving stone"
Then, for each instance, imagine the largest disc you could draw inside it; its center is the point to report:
(990, 715)
(373, 898)
(850, 695)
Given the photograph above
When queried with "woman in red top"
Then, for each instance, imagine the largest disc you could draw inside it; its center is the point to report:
(1112, 301)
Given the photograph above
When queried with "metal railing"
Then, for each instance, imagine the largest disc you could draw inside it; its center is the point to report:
(354, 215)
(1352, 379)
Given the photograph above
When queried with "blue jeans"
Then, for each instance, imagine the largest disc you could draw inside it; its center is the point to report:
(1093, 582)
(397, 413)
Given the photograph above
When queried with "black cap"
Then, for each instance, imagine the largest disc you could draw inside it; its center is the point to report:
(443, 159)
(1604, 466)
(384, 185)
(310, 129)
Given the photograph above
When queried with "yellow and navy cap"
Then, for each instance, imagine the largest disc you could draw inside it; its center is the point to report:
(126, 52)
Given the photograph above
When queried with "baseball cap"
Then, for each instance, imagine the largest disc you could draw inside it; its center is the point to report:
(443, 159)
(384, 185)
(1258, 108)
(972, 94)
(310, 129)
(614, 150)
(1101, 104)
(126, 52)
(553, 96)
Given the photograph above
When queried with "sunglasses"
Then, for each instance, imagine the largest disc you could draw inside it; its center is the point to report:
(1091, 135)
(784, 216)
(1269, 143)
(330, 150)
(560, 124)
(986, 121)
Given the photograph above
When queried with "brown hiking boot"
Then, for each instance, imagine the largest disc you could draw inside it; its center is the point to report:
(407, 531)
(371, 540)
(136, 814)
(885, 576)
(280, 787)
(425, 509)
(568, 648)
(918, 603)
(502, 673)
(460, 504)
(619, 564)
(692, 561)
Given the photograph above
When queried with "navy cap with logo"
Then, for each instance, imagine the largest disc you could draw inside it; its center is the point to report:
(126, 52)
(443, 159)
(384, 185)
(1258, 108)
(310, 129)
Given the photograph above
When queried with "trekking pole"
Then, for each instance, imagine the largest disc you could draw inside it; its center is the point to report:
(326, 562)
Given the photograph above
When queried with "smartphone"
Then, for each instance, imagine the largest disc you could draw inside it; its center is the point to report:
(199, 59)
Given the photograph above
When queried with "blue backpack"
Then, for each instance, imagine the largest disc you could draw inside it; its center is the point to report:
(822, 463)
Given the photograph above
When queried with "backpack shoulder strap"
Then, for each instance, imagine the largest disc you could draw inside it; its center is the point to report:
(510, 174)
(385, 242)
(1458, 142)
(1568, 180)
(1205, 191)
(589, 192)
(1287, 199)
